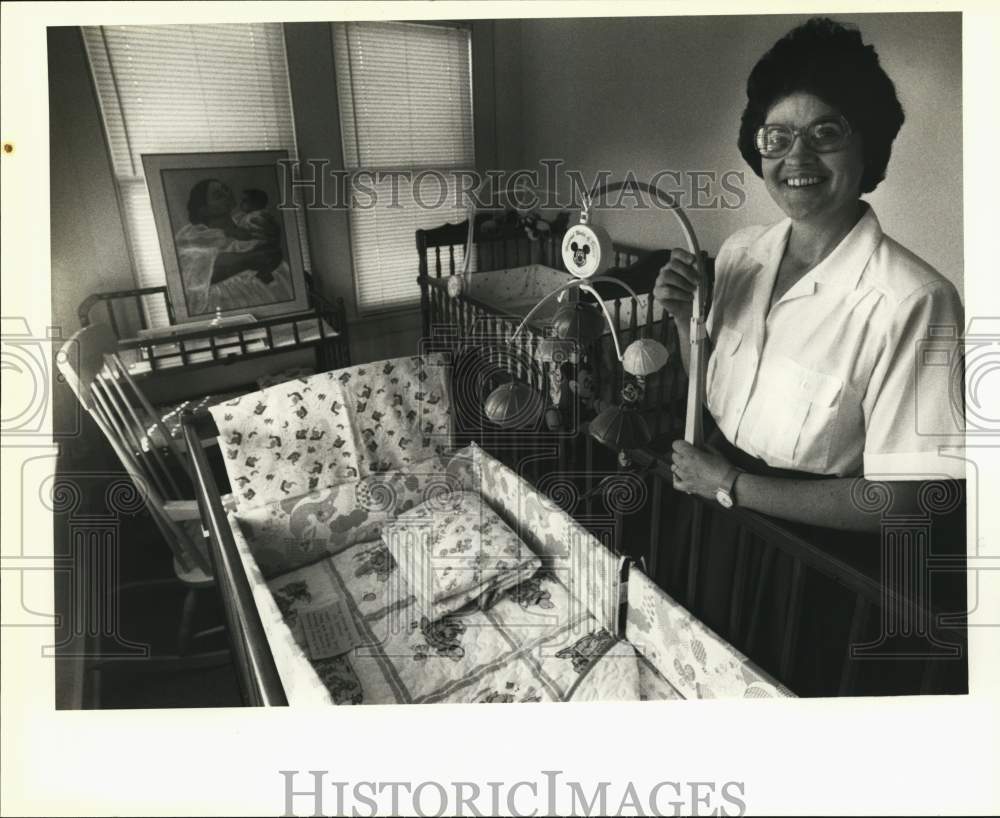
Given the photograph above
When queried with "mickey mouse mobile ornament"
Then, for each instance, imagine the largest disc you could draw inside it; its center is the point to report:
(586, 247)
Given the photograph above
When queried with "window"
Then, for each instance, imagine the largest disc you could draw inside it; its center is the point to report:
(180, 89)
(405, 93)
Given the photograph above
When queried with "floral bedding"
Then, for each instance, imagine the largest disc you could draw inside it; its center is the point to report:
(582, 562)
(536, 643)
(290, 533)
(689, 659)
(453, 549)
(334, 427)
(533, 645)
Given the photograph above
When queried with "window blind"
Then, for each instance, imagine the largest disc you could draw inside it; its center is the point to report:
(405, 93)
(186, 89)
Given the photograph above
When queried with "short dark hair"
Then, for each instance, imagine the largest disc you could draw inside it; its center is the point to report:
(830, 61)
(257, 199)
(197, 199)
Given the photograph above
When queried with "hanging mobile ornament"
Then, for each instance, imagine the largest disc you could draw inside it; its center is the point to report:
(586, 247)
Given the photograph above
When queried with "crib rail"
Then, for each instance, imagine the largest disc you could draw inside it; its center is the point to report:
(322, 327)
(260, 685)
(895, 605)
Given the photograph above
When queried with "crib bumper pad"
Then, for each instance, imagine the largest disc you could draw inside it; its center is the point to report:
(334, 427)
(297, 531)
(685, 653)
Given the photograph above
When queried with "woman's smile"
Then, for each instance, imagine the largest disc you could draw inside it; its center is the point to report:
(803, 181)
(805, 184)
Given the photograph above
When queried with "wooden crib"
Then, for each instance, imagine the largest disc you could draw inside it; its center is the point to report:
(469, 323)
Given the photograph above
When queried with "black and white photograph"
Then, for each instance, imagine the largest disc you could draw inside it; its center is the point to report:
(634, 366)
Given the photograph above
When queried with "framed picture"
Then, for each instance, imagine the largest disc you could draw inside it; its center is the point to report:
(227, 247)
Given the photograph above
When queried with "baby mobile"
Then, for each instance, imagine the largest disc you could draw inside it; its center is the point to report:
(587, 254)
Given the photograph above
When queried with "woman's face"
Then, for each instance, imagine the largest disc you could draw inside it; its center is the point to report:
(806, 185)
(219, 200)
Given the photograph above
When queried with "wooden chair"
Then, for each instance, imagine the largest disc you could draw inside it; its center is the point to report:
(139, 437)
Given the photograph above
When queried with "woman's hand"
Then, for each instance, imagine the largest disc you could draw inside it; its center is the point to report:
(676, 284)
(697, 471)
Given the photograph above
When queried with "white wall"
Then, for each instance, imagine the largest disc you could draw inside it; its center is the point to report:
(666, 93)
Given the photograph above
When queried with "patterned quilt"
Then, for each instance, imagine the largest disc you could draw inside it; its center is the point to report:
(534, 645)
(334, 427)
(538, 642)
(686, 659)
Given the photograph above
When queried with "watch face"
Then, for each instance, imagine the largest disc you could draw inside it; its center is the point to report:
(724, 499)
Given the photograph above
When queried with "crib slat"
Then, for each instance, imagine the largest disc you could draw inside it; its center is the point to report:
(767, 562)
(618, 544)
(437, 310)
(589, 471)
(697, 517)
(663, 394)
(792, 620)
(654, 524)
(739, 585)
(451, 311)
(656, 379)
(633, 323)
(859, 620)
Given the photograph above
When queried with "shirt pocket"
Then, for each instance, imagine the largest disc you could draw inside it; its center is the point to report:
(799, 411)
(720, 382)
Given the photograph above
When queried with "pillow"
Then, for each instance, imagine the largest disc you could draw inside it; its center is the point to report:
(453, 549)
(298, 531)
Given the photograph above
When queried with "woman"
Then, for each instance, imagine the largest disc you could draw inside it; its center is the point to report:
(223, 266)
(816, 379)
(815, 376)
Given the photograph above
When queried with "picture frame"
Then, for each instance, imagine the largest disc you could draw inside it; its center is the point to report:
(228, 249)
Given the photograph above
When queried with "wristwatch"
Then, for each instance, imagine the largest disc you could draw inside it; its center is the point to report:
(726, 493)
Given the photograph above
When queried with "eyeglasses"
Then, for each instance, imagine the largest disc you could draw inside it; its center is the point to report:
(823, 135)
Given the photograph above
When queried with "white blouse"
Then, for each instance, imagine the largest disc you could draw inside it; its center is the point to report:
(855, 370)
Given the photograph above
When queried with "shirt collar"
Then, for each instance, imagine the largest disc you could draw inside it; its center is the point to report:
(843, 266)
